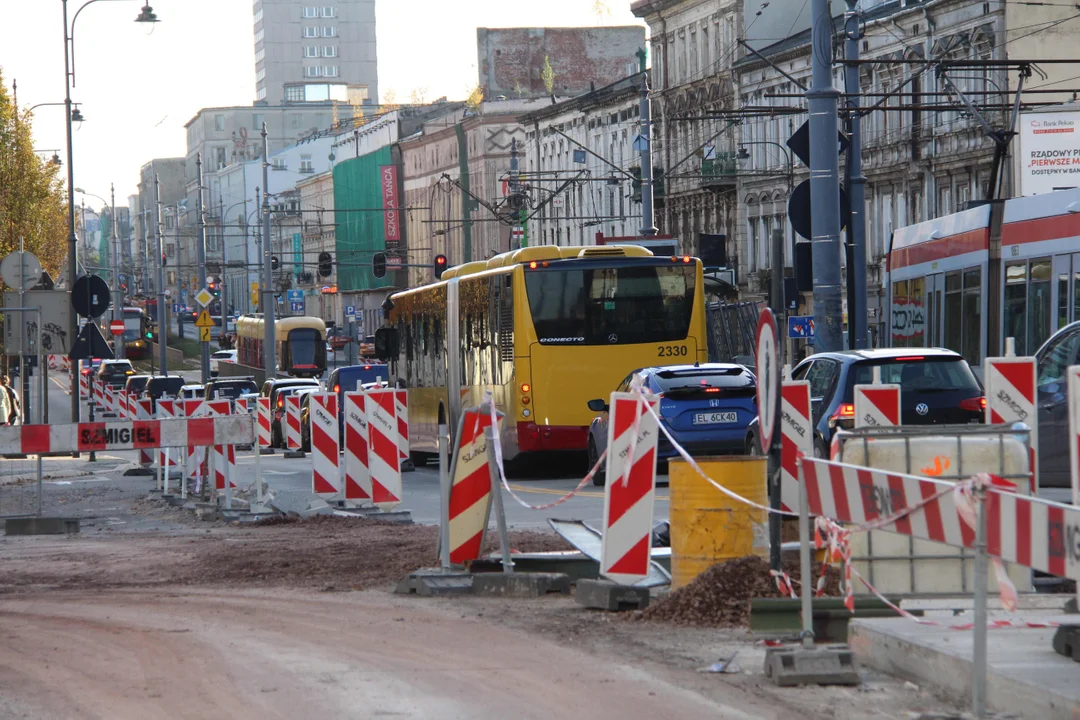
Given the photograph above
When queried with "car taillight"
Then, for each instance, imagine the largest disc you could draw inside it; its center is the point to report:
(846, 411)
(974, 404)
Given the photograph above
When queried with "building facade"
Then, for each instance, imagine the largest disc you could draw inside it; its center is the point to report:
(579, 164)
(170, 197)
(315, 53)
(512, 61)
(317, 203)
(694, 44)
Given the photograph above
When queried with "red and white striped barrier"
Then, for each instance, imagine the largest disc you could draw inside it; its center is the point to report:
(121, 405)
(264, 422)
(292, 423)
(223, 458)
(383, 458)
(59, 362)
(796, 436)
(99, 393)
(1026, 530)
(357, 474)
(877, 405)
(109, 401)
(401, 407)
(168, 458)
(1010, 398)
(629, 494)
(84, 387)
(322, 419)
(144, 411)
(470, 487)
(195, 467)
(240, 406)
(140, 434)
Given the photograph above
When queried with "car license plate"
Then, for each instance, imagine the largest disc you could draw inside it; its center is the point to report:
(715, 418)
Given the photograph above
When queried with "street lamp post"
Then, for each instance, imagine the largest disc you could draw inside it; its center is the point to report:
(269, 351)
(200, 253)
(146, 15)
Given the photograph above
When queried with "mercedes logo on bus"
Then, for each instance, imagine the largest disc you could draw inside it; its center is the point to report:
(922, 408)
(613, 338)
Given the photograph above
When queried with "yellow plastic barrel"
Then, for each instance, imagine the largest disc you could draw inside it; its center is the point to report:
(707, 526)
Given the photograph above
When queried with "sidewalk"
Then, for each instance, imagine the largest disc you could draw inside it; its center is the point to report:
(57, 468)
(1025, 676)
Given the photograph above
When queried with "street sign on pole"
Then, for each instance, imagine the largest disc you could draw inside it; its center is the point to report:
(204, 320)
(90, 297)
(204, 297)
(116, 327)
(800, 327)
(768, 376)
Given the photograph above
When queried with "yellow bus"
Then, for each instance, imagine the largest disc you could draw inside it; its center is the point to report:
(546, 329)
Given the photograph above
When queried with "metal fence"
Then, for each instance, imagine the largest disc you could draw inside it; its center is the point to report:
(731, 329)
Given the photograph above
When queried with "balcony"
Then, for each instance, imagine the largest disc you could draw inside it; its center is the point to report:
(720, 171)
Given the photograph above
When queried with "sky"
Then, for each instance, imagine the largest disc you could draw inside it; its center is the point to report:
(137, 84)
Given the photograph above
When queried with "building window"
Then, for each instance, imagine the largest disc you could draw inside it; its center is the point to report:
(219, 123)
(328, 12)
(329, 71)
(256, 121)
(279, 163)
(311, 12)
(258, 16)
(329, 51)
(311, 51)
(313, 71)
(329, 31)
(294, 93)
(751, 244)
(219, 157)
(305, 164)
(311, 32)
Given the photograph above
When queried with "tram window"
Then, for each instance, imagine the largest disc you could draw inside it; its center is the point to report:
(972, 348)
(1039, 296)
(1063, 299)
(1016, 305)
(1059, 355)
(954, 312)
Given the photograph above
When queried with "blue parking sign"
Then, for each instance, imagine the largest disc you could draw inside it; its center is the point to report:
(350, 309)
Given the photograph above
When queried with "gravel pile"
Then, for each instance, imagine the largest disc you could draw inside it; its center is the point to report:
(720, 596)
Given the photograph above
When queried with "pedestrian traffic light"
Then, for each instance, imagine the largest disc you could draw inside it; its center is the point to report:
(378, 265)
(326, 264)
(440, 264)
(163, 263)
(274, 262)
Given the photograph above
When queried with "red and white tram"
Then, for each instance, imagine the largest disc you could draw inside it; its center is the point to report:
(969, 280)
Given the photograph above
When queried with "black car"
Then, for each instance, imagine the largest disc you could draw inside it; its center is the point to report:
(273, 389)
(937, 387)
(136, 384)
(163, 386)
(114, 373)
(1052, 361)
(229, 388)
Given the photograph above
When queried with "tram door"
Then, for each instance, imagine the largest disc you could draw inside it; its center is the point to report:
(935, 295)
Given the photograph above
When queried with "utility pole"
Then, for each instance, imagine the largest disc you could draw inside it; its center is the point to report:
(267, 297)
(200, 258)
(648, 225)
(856, 184)
(825, 185)
(163, 325)
(517, 204)
(72, 248)
(118, 292)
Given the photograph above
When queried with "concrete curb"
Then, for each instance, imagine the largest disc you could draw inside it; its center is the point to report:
(1024, 675)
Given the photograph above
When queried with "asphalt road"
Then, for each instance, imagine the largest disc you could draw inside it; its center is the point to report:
(421, 492)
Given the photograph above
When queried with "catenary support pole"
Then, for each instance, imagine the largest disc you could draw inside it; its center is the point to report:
(118, 290)
(825, 184)
(777, 301)
(73, 256)
(200, 258)
(162, 318)
(857, 315)
(267, 297)
(648, 224)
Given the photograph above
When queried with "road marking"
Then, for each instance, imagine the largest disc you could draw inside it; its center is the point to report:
(550, 491)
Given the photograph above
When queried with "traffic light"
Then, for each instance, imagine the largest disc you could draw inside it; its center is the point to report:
(439, 265)
(274, 262)
(215, 289)
(378, 265)
(326, 264)
(163, 263)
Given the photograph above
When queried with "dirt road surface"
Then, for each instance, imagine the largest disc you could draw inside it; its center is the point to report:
(149, 613)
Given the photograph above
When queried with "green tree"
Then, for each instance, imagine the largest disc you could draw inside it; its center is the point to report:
(32, 198)
(548, 76)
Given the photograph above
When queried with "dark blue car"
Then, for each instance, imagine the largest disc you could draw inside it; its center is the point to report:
(706, 408)
(349, 379)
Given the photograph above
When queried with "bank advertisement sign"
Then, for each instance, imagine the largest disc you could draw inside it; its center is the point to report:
(1049, 156)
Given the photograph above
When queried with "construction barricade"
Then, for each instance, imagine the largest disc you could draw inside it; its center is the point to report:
(323, 423)
(1010, 398)
(383, 459)
(357, 473)
(401, 408)
(265, 417)
(195, 459)
(291, 426)
(168, 457)
(222, 460)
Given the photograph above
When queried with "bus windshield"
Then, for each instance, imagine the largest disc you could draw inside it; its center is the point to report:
(611, 305)
(303, 347)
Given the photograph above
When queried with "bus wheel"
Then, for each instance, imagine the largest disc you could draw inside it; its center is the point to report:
(600, 476)
(420, 459)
